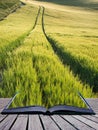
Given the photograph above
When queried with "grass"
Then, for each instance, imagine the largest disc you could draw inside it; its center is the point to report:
(7, 7)
(73, 35)
(15, 26)
(34, 69)
(14, 30)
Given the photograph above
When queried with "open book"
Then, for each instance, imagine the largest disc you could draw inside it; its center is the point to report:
(58, 109)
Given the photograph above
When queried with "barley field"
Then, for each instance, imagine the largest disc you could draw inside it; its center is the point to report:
(48, 54)
(74, 37)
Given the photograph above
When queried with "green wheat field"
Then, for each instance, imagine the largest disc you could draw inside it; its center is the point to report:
(49, 51)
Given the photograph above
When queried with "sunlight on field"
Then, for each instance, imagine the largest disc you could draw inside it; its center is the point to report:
(14, 29)
(49, 56)
(35, 70)
(15, 25)
(76, 35)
